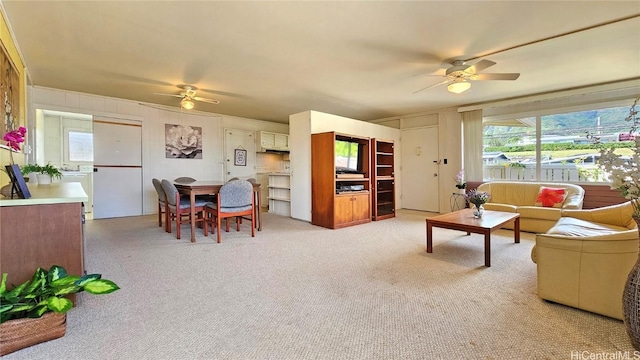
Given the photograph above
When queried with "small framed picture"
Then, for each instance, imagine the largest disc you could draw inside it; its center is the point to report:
(240, 157)
(18, 185)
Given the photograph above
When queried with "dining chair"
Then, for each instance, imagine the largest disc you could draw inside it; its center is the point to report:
(179, 207)
(157, 184)
(235, 199)
(253, 181)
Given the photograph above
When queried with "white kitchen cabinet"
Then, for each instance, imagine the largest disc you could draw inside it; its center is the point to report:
(274, 141)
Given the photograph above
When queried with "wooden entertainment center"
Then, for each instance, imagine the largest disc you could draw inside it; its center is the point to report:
(344, 198)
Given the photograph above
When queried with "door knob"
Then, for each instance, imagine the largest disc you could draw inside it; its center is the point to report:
(435, 174)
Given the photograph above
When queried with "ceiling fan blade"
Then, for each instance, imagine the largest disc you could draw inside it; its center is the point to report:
(425, 74)
(434, 85)
(210, 101)
(479, 66)
(174, 95)
(501, 76)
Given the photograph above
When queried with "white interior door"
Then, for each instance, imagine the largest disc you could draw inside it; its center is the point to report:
(117, 176)
(420, 169)
(239, 154)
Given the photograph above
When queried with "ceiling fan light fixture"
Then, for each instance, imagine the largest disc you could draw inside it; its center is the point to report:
(459, 86)
(187, 103)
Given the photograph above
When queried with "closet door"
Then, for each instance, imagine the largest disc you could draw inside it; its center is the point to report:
(117, 169)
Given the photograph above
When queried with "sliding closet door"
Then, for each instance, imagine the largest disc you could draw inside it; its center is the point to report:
(117, 169)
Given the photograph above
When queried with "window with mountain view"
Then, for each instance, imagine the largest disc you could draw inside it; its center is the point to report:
(559, 151)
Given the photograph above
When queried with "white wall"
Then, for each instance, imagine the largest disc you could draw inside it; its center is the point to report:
(301, 126)
(153, 119)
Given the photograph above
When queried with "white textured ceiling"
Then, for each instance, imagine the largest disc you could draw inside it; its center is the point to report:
(269, 59)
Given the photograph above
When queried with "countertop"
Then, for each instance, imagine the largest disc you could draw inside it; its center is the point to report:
(56, 193)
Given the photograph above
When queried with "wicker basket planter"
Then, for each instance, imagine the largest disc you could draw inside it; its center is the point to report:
(21, 333)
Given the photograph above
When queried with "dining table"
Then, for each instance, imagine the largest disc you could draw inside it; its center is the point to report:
(211, 187)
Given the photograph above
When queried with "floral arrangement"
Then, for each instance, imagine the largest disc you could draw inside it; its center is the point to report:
(460, 183)
(624, 173)
(15, 137)
(477, 198)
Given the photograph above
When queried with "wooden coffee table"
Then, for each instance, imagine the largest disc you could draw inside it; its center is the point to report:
(463, 220)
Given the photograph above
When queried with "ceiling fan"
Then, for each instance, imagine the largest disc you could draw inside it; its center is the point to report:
(188, 95)
(459, 74)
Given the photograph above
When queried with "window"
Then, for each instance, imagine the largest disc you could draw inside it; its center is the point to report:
(80, 146)
(553, 147)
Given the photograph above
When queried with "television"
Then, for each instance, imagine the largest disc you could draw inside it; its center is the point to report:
(347, 156)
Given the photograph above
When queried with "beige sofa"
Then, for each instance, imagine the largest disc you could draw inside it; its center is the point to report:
(520, 197)
(583, 261)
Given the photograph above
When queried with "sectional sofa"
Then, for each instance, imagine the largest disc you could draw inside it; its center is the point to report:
(521, 197)
(584, 260)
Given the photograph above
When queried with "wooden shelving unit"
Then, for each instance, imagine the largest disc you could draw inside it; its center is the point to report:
(333, 205)
(382, 180)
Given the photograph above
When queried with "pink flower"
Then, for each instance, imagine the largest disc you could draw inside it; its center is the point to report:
(15, 137)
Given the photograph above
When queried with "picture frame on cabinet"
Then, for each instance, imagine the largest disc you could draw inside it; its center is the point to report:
(18, 185)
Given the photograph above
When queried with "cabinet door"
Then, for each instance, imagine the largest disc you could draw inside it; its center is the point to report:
(343, 209)
(281, 141)
(267, 139)
(361, 207)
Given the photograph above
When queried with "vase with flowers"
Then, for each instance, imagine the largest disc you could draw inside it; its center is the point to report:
(461, 184)
(478, 199)
(624, 174)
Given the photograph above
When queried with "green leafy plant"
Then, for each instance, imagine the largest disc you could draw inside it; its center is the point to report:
(46, 169)
(46, 292)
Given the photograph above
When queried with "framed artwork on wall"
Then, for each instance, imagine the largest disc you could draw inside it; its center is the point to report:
(240, 157)
(183, 142)
(9, 93)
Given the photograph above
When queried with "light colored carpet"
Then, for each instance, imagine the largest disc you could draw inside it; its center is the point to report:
(298, 291)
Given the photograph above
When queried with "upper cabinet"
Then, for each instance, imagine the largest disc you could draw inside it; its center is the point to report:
(273, 141)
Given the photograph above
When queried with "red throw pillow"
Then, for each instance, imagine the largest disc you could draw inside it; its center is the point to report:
(550, 197)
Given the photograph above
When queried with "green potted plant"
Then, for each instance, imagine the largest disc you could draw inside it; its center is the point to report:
(45, 173)
(34, 312)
